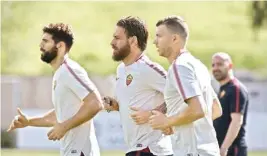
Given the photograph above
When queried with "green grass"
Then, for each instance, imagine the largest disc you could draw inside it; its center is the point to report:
(14, 152)
(214, 26)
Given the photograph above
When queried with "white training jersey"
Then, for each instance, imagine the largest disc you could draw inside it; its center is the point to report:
(141, 85)
(70, 86)
(188, 77)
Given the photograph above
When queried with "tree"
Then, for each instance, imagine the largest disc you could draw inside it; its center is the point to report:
(259, 16)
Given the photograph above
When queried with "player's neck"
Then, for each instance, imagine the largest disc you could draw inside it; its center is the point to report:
(175, 53)
(229, 78)
(132, 57)
(57, 62)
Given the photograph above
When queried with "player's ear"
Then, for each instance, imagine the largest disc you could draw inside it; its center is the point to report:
(60, 44)
(230, 66)
(133, 40)
(175, 38)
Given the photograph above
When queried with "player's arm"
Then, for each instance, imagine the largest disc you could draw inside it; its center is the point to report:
(110, 104)
(216, 107)
(21, 120)
(48, 120)
(78, 82)
(161, 108)
(90, 106)
(238, 103)
(192, 113)
(187, 85)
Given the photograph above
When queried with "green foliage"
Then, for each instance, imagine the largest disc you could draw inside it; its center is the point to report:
(214, 26)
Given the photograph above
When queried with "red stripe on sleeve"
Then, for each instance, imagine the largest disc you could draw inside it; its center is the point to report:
(178, 81)
(151, 65)
(236, 151)
(237, 91)
(77, 78)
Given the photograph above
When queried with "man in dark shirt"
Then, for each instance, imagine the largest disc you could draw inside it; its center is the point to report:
(233, 96)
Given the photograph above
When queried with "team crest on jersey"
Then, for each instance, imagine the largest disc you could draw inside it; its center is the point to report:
(129, 79)
(222, 94)
(54, 84)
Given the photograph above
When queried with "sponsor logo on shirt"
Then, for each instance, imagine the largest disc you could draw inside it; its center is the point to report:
(73, 151)
(129, 79)
(139, 145)
(222, 94)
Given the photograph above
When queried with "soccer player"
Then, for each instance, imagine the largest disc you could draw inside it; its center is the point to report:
(139, 89)
(191, 101)
(76, 99)
(233, 95)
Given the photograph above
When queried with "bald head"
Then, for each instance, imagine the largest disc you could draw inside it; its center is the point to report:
(223, 56)
(221, 66)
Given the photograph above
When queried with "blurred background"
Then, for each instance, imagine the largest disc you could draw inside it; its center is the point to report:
(238, 28)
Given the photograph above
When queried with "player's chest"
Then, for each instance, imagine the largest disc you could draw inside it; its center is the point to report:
(224, 99)
(170, 90)
(130, 83)
(59, 90)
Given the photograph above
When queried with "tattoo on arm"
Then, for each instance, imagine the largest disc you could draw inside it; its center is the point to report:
(162, 108)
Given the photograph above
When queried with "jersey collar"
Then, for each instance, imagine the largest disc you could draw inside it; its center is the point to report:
(141, 56)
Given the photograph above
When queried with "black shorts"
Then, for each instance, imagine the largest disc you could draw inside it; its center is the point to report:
(143, 152)
(237, 151)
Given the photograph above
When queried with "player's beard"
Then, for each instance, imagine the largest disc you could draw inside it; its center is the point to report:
(49, 56)
(121, 53)
(220, 75)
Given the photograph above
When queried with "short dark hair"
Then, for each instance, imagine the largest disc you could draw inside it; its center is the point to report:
(176, 24)
(60, 32)
(134, 26)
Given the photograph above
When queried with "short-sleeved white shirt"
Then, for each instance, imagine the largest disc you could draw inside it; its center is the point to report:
(187, 77)
(70, 86)
(141, 85)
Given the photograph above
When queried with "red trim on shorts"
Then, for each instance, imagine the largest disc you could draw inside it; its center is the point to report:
(178, 81)
(237, 91)
(236, 151)
(151, 65)
(146, 150)
(76, 77)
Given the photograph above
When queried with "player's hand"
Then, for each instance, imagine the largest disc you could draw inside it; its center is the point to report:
(57, 132)
(223, 151)
(168, 131)
(20, 121)
(110, 104)
(158, 121)
(140, 116)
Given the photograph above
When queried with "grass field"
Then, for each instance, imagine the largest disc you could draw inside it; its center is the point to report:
(53, 153)
(214, 26)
